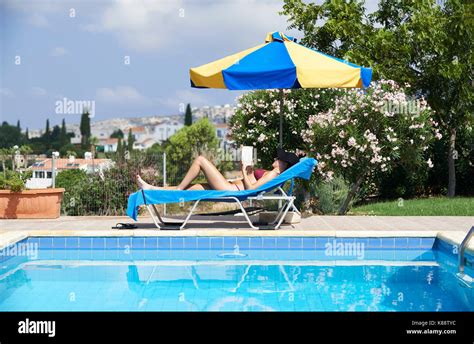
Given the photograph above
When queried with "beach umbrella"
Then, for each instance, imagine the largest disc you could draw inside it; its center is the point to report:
(279, 63)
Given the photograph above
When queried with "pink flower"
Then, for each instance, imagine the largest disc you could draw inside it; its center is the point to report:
(351, 142)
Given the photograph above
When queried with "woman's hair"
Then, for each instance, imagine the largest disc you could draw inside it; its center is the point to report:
(288, 157)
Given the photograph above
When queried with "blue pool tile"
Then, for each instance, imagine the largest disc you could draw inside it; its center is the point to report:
(345, 241)
(177, 243)
(414, 243)
(321, 242)
(388, 243)
(59, 242)
(190, 243)
(151, 243)
(256, 243)
(112, 243)
(164, 243)
(72, 242)
(401, 243)
(427, 242)
(46, 242)
(98, 243)
(282, 243)
(243, 243)
(268, 243)
(138, 243)
(216, 243)
(34, 241)
(230, 242)
(363, 242)
(85, 242)
(309, 243)
(375, 243)
(125, 243)
(203, 243)
(3, 255)
(296, 243)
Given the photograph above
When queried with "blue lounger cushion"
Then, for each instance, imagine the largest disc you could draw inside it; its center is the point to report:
(303, 169)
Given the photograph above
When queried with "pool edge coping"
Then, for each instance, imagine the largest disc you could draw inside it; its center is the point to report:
(453, 238)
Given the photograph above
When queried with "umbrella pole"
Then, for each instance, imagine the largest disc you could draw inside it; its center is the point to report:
(282, 95)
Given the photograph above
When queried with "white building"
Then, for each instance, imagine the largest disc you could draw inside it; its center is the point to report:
(164, 130)
(42, 169)
(216, 114)
(110, 145)
(145, 144)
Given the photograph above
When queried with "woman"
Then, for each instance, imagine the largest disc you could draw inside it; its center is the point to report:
(252, 179)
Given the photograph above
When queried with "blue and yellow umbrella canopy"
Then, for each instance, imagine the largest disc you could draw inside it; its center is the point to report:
(279, 63)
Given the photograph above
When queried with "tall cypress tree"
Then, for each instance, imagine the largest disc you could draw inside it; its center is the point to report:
(119, 147)
(46, 138)
(85, 128)
(63, 138)
(18, 125)
(47, 132)
(130, 141)
(27, 135)
(188, 116)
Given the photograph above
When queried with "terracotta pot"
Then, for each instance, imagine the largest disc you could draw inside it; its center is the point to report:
(31, 204)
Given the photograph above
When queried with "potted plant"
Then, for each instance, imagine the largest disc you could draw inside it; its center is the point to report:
(18, 203)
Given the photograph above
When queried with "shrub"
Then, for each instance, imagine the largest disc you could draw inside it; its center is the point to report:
(368, 132)
(13, 180)
(329, 195)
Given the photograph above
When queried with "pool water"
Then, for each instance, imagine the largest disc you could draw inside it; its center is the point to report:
(231, 274)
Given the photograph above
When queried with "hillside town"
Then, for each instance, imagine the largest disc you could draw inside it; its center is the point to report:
(145, 132)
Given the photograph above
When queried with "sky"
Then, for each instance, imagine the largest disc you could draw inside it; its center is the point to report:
(130, 57)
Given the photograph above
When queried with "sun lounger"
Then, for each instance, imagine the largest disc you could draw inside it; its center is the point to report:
(273, 190)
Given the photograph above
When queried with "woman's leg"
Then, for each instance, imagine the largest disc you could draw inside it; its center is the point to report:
(215, 179)
(145, 186)
(203, 186)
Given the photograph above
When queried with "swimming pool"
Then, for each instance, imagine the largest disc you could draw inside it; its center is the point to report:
(231, 274)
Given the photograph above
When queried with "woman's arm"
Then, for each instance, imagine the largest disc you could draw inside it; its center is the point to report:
(250, 185)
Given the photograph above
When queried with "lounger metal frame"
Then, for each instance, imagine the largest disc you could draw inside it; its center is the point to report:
(275, 224)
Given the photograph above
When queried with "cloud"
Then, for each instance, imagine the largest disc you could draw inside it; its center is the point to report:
(138, 24)
(121, 95)
(5, 92)
(163, 24)
(182, 97)
(44, 6)
(38, 20)
(92, 28)
(38, 92)
(58, 51)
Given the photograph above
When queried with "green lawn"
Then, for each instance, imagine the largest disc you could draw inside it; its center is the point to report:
(436, 206)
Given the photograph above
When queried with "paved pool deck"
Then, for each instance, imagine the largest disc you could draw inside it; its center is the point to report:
(450, 228)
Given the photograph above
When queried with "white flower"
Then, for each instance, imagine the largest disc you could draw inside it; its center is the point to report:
(351, 142)
(430, 163)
